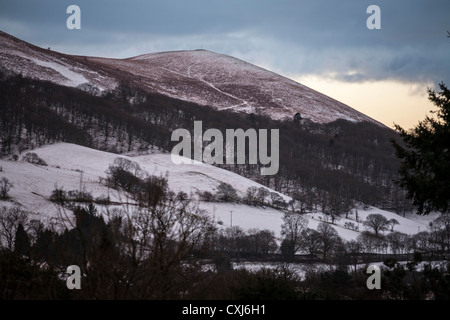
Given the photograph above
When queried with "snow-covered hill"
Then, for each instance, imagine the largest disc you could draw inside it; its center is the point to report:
(224, 82)
(70, 166)
(199, 76)
(44, 64)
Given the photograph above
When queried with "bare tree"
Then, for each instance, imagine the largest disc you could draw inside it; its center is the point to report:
(310, 241)
(377, 222)
(124, 173)
(421, 242)
(398, 242)
(353, 250)
(148, 249)
(329, 238)
(262, 242)
(292, 227)
(226, 192)
(393, 222)
(263, 193)
(233, 240)
(367, 240)
(33, 158)
(163, 237)
(277, 200)
(251, 196)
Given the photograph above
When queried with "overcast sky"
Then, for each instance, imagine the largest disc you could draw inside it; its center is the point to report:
(323, 44)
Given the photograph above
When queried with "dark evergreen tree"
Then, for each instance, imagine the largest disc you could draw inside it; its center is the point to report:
(5, 186)
(44, 246)
(425, 157)
(287, 249)
(297, 118)
(22, 241)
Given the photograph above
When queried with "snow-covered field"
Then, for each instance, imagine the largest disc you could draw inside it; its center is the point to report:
(71, 167)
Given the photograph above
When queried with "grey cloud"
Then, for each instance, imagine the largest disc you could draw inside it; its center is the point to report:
(288, 36)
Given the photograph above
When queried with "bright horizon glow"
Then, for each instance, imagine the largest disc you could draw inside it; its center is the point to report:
(389, 102)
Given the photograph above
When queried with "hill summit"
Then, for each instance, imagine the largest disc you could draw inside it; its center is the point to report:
(198, 76)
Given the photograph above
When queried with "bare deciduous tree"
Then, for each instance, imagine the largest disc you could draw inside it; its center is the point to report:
(310, 241)
(251, 196)
(292, 227)
(329, 238)
(377, 222)
(226, 192)
(160, 240)
(393, 222)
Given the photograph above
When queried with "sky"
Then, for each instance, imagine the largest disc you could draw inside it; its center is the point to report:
(323, 44)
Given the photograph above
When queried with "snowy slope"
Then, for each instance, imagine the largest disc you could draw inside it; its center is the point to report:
(70, 166)
(43, 64)
(198, 76)
(224, 82)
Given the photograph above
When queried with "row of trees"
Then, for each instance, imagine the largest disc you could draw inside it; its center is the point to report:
(157, 253)
(325, 243)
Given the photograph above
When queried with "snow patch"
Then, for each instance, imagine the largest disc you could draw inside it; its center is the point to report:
(74, 79)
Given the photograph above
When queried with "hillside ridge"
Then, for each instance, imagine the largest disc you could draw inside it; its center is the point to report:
(199, 76)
